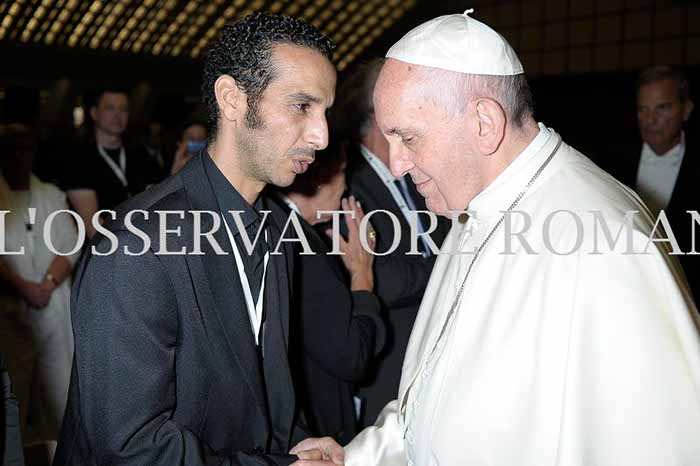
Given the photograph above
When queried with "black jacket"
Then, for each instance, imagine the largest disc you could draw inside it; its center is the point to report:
(400, 280)
(339, 332)
(166, 371)
(11, 452)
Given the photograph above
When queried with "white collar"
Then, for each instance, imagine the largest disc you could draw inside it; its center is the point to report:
(673, 157)
(501, 193)
(290, 203)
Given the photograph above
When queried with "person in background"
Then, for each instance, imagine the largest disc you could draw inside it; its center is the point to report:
(11, 453)
(400, 278)
(338, 328)
(193, 139)
(35, 326)
(104, 173)
(152, 144)
(663, 167)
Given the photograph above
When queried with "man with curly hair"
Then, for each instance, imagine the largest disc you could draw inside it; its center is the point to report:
(181, 358)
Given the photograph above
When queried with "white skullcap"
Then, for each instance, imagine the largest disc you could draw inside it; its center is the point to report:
(457, 43)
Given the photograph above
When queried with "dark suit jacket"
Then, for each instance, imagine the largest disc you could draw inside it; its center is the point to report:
(400, 280)
(339, 332)
(11, 452)
(623, 163)
(166, 370)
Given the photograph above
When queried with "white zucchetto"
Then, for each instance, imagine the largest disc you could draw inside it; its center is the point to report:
(457, 43)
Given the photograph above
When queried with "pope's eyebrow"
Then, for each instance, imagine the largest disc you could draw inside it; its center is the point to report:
(306, 97)
(396, 131)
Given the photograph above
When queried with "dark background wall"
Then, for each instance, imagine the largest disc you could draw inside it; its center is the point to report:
(596, 111)
(582, 57)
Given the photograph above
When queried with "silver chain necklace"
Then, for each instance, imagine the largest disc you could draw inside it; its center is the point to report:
(458, 298)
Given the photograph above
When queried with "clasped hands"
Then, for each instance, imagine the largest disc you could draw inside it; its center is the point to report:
(318, 452)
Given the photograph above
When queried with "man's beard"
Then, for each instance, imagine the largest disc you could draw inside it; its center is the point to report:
(261, 161)
(250, 143)
(252, 118)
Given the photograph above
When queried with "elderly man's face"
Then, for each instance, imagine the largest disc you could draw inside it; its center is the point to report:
(661, 114)
(424, 140)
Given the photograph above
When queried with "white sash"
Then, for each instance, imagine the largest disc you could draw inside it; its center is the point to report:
(255, 311)
(119, 170)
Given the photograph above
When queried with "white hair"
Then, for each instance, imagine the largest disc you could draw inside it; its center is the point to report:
(455, 91)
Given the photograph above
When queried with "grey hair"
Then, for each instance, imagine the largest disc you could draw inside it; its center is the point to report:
(662, 73)
(456, 90)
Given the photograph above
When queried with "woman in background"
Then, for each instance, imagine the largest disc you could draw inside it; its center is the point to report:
(194, 139)
(338, 324)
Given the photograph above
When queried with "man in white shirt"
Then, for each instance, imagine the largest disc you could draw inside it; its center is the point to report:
(664, 170)
(663, 105)
(540, 345)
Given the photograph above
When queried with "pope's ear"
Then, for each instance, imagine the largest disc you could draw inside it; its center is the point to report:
(229, 98)
(492, 125)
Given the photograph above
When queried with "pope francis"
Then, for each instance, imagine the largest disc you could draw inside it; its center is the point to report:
(544, 338)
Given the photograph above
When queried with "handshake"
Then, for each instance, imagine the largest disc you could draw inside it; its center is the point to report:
(318, 452)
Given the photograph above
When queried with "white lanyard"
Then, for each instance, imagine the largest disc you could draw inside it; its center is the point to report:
(119, 170)
(254, 310)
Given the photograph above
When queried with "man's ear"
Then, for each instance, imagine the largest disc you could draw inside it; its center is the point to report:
(93, 112)
(688, 109)
(491, 119)
(229, 98)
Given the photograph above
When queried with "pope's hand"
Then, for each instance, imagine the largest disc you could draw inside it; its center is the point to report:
(318, 452)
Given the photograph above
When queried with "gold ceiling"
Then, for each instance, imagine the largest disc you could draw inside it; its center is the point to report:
(183, 28)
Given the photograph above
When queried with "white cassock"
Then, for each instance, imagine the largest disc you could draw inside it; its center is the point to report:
(550, 359)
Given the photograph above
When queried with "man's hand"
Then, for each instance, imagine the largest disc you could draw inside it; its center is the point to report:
(318, 452)
(48, 286)
(35, 295)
